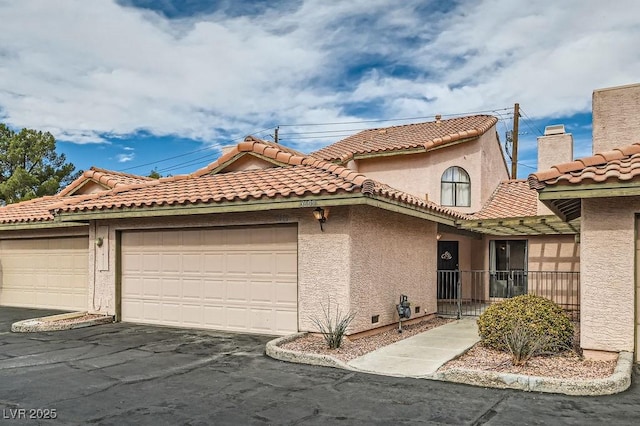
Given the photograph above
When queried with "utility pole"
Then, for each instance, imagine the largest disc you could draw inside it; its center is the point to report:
(275, 138)
(514, 155)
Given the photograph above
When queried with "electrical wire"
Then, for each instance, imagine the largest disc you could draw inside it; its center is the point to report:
(392, 119)
(527, 120)
(301, 136)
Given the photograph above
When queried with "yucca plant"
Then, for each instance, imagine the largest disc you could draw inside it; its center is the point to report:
(332, 327)
(523, 344)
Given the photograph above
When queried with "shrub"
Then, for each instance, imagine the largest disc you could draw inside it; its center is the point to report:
(523, 344)
(333, 328)
(538, 319)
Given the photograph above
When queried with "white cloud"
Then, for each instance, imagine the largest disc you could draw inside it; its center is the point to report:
(124, 158)
(90, 70)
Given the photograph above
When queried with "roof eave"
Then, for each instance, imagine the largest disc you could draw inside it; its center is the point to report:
(566, 200)
(259, 205)
(44, 224)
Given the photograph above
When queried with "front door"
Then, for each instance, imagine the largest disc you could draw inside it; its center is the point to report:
(447, 269)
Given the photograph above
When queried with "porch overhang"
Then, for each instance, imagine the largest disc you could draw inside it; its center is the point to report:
(566, 200)
(532, 225)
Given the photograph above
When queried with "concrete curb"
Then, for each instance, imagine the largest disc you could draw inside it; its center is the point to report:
(274, 350)
(49, 323)
(619, 381)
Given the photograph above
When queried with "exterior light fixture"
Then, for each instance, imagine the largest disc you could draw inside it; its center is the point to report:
(438, 236)
(318, 213)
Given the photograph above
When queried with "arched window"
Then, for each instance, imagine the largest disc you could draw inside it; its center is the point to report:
(456, 188)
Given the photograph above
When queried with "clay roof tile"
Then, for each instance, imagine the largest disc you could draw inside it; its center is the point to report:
(409, 136)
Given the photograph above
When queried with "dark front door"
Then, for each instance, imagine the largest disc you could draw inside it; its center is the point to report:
(447, 269)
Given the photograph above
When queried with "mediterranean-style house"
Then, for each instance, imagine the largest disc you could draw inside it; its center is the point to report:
(265, 237)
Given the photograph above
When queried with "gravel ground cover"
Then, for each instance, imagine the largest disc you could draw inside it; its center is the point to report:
(568, 364)
(350, 349)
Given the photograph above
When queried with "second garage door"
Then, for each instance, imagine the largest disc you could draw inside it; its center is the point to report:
(44, 273)
(236, 279)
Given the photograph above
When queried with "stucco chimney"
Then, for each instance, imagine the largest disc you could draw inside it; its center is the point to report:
(616, 121)
(555, 147)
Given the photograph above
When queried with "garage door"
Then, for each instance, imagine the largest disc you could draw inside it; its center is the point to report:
(44, 273)
(236, 279)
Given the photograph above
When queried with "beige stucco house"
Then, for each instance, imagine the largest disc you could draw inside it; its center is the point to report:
(237, 245)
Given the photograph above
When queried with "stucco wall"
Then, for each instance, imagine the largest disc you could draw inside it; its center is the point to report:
(558, 253)
(615, 117)
(493, 166)
(391, 254)
(420, 174)
(607, 255)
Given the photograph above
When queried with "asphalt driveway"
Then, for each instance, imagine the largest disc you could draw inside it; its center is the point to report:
(133, 374)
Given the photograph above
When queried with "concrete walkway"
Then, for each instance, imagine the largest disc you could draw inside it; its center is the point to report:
(421, 355)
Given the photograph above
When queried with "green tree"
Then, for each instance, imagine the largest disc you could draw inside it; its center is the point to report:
(153, 174)
(30, 166)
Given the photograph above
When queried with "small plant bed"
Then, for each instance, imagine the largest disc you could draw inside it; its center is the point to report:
(60, 322)
(351, 349)
(565, 365)
(531, 336)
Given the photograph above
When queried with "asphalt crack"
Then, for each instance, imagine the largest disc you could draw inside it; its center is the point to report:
(489, 413)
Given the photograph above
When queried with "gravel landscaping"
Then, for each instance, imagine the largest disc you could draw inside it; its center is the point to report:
(350, 349)
(566, 365)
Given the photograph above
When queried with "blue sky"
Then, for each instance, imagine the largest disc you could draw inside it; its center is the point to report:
(135, 85)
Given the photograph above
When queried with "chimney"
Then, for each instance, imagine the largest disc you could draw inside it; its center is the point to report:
(555, 147)
(438, 118)
(616, 121)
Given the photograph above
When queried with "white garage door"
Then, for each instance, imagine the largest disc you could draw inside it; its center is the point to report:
(237, 279)
(44, 273)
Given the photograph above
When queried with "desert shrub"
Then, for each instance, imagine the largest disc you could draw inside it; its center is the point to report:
(523, 344)
(538, 320)
(333, 327)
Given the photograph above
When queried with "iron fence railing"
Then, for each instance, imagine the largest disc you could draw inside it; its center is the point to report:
(468, 293)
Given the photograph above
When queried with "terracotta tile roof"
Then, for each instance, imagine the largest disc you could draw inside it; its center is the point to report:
(257, 146)
(39, 209)
(512, 198)
(376, 188)
(299, 176)
(397, 138)
(36, 210)
(108, 178)
(621, 164)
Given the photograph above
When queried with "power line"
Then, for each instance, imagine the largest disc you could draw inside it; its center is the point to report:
(207, 148)
(391, 119)
(536, 130)
(165, 159)
(295, 136)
